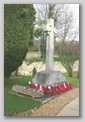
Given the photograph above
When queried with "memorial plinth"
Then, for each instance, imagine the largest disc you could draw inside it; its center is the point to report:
(48, 78)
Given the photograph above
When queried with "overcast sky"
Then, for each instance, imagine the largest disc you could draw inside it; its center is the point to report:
(75, 9)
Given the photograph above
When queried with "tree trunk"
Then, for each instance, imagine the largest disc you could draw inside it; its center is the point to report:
(70, 71)
(16, 72)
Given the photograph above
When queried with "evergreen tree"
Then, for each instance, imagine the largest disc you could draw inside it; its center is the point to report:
(18, 34)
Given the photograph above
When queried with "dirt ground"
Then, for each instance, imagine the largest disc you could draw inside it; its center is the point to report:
(54, 106)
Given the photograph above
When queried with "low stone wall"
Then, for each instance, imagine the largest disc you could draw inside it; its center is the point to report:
(26, 69)
(76, 65)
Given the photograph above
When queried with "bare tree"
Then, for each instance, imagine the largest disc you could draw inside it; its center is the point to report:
(63, 17)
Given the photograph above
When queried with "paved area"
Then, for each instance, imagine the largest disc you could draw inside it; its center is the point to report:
(71, 109)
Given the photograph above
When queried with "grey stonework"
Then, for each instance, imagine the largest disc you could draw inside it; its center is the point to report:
(48, 78)
(34, 72)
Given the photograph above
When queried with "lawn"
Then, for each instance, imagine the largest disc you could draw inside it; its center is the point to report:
(73, 80)
(14, 104)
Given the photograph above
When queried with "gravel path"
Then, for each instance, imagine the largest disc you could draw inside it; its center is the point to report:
(54, 106)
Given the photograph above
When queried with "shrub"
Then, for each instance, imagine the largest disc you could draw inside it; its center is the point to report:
(18, 31)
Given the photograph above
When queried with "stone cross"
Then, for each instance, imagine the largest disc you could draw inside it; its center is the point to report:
(49, 28)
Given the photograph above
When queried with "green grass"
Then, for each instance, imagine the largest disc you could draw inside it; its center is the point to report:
(73, 80)
(14, 104)
(9, 82)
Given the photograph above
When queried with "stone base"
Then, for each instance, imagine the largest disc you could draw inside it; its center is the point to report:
(27, 91)
(48, 78)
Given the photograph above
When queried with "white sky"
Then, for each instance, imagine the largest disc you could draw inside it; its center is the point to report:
(75, 9)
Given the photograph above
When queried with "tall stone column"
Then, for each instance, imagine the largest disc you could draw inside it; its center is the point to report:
(49, 28)
(49, 76)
